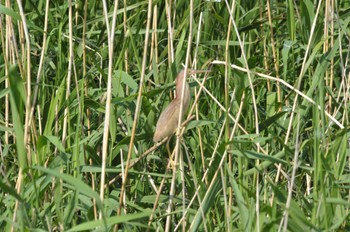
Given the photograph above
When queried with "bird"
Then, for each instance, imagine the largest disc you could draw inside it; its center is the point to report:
(169, 118)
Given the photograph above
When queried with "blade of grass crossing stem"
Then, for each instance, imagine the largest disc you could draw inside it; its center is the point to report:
(78, 184)
(246, 219)
(291, 19)
(321, 69)
(17, 99)
(206, 204)
(339, 147)
(110, 221)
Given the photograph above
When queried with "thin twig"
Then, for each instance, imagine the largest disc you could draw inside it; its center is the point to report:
(138, 107)
(110, 34)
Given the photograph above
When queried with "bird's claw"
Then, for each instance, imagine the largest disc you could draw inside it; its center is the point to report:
(177, 132)
(172, 164)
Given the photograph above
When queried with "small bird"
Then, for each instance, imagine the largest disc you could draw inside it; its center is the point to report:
(169, 118)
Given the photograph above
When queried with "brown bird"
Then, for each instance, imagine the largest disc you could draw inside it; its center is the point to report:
(169, 118)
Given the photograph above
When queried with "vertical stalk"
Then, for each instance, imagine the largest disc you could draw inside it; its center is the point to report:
(137, 110)
(227, 121)
(275, 58)
(177, 146)
(110, 35)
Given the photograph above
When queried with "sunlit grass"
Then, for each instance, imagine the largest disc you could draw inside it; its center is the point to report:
(265, 147)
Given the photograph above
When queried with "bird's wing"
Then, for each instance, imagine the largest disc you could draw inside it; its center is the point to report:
(167, 122)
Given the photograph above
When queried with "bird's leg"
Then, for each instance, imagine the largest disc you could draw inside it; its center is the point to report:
(178, 132)
(172, 163)
(168, 148)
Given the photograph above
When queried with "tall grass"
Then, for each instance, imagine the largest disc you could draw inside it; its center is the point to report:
(265, 146)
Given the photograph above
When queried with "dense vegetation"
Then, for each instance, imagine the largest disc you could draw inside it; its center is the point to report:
(265, 147)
